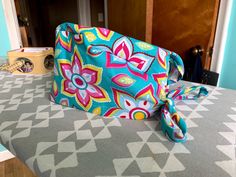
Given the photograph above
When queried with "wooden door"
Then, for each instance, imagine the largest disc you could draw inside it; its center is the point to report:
(130, 17)
(176, 25)
(179, 25)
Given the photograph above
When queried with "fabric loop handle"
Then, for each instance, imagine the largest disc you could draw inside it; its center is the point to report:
(172, 124)
(182, 93)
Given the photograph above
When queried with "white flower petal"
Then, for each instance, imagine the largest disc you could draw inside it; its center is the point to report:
(83, 93)
(76, 69)
(87, 77)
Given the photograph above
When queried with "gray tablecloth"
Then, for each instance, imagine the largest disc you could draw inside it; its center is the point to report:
(58, 141)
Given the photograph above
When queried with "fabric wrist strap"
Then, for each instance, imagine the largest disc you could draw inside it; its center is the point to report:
(172, 124)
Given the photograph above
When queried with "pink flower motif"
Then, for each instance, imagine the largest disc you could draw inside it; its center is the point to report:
(104, 33)
(139, 107)
(121, 55)
(81, 81)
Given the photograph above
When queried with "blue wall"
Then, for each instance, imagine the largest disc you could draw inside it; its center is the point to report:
(228, 73)
(4, 38)
(2, 148)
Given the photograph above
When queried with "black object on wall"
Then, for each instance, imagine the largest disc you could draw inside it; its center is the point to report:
(210, 78)
(193, 65)
(194, 71)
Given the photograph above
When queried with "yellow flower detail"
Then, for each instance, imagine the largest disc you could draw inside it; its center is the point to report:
(97, 111)
(90, 36)
(144, 45)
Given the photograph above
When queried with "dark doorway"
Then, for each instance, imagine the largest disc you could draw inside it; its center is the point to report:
(39, 19)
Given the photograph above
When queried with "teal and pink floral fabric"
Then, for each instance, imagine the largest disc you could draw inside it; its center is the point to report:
(103, 72)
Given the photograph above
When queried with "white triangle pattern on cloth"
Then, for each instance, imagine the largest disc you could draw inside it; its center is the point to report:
(229, 150)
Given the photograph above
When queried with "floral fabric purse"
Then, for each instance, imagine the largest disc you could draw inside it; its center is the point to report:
(103, 72)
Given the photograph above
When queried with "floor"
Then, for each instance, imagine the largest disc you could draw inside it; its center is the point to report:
(14, 168)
